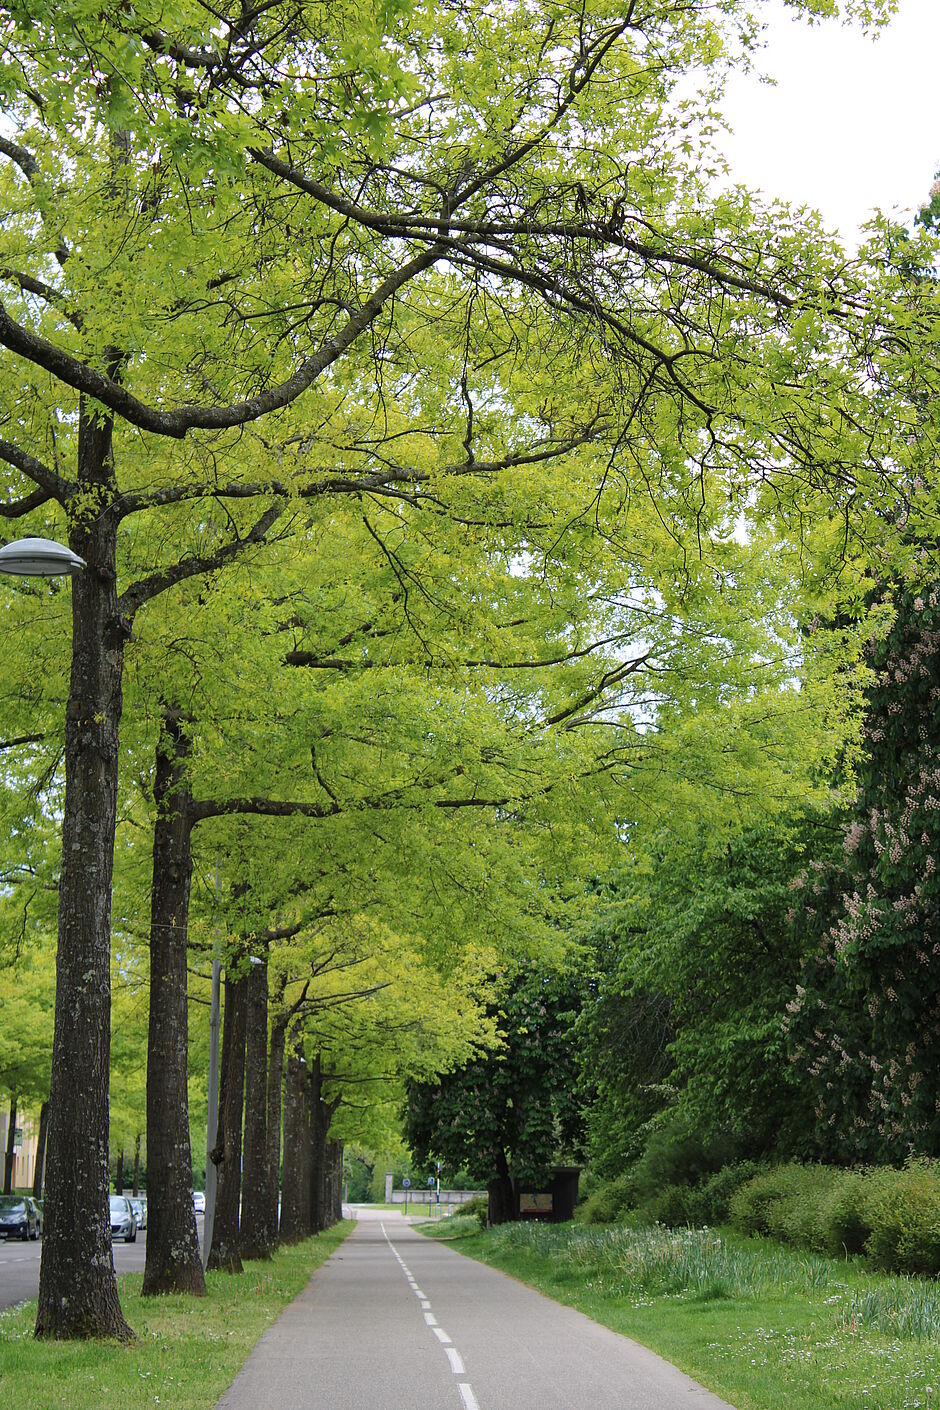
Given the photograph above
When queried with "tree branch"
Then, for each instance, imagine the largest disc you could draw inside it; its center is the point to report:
(138, 593)
(49, 481)
(176, 423)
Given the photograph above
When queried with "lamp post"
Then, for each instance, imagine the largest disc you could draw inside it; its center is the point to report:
(39, 558)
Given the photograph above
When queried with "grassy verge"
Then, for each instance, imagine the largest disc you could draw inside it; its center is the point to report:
(764, 1327)
(187, 1352)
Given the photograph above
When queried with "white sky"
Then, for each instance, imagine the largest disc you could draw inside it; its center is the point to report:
(852, 123)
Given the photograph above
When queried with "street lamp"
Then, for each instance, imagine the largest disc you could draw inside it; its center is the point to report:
(39, 558)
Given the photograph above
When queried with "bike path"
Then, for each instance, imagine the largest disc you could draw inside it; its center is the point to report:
(394, 1321)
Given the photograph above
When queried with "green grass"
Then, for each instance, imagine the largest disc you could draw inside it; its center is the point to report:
(187, 1352)
(765, 1327)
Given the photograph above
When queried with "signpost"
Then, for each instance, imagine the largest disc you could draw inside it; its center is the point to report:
(406, 1186)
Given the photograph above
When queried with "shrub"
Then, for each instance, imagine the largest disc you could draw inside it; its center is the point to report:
(674, 1205)
(610, 1201)
(588, 1182)
(786, 1202)
(714, 1196)
(676, 1155)
(905, 1218)
(846, 1217)
(477, 1208)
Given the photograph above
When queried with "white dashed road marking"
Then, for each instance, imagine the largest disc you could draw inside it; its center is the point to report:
(469, 1399)
(453, 1355)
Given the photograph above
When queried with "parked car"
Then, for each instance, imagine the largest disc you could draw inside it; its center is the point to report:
(123, 1221)
(139, 1206)
(199, 1202)
(20, 1217)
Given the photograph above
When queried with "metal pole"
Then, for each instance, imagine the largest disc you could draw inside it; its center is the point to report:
(212, 1116)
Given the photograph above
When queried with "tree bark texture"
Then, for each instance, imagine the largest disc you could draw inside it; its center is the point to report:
(255, 1240)
(173, 1260)
(10, 1150)
(334, 1152)
(77, 1289)
(39, 1171)
(273, 1133)
(502, 1193)
(225, 1252)
(320, 1116)
(294, 1197)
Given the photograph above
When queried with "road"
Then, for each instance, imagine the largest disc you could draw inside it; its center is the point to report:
(19, 1265)
(394, 1321)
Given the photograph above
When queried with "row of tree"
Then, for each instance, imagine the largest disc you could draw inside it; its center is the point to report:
(447, 459)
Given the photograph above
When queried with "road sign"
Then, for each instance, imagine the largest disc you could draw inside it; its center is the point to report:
(406, 1183)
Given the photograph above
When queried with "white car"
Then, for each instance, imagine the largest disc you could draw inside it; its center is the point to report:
(123, 1222)
(199, 1202)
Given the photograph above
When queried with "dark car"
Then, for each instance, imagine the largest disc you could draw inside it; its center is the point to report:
(20, 1217)
(123, 1222)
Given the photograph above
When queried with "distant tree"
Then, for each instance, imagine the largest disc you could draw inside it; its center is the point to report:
(513, 1112)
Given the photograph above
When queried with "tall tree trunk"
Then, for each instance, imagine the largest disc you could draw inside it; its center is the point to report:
(227, 1155)
(336, 1154)
(11, 1149)
(119, 1173)
(273, 1141)
(321, 1114)
(77, 1289)
(294, 1193)
(173, 1262)
(255, 1239)
(39, 1171)
(502, 1192)
(137, 1165)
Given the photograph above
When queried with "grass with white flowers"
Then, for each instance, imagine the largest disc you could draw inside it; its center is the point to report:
(765, 1327)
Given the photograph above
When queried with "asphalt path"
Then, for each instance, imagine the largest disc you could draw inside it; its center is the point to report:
(394, 1321)
(19, 1265)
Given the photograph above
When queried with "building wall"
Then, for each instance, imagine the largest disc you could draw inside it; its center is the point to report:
(24, 1156)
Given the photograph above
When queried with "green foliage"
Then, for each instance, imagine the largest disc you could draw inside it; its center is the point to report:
(515, 1107)
(609, 1201)
(699, 961)
(905, 1218)
(476, 1208)
(678, 1155)
(784, 1202)
(864, 1023)
(891, 1215)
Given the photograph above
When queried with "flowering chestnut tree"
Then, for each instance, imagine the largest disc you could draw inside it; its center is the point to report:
(865, 1022)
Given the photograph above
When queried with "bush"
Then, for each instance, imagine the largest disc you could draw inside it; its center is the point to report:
(477, 1208)
(714, 1196)
(892, 1215)
(588, 1182)
(786, 1202)
(674, 1205)
(610, 1201)
(846, 1219)
(676, 1155)
(905, 1217)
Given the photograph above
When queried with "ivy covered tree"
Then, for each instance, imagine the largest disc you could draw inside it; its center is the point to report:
(514, 1111)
